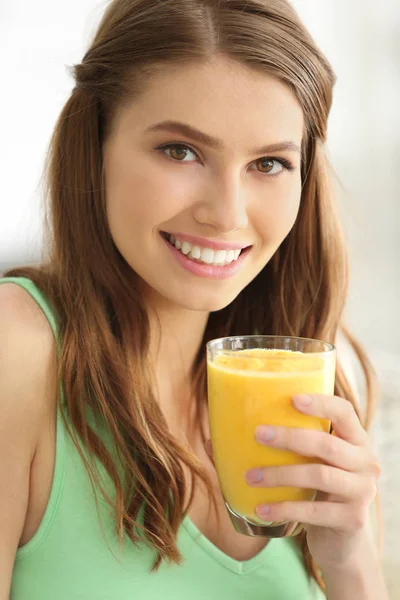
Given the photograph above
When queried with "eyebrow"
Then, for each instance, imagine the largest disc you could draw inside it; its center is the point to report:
(215, 143)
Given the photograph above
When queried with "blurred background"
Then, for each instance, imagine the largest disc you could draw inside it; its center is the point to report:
(361, 38)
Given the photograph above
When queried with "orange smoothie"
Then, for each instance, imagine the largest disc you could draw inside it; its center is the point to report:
(247, 388)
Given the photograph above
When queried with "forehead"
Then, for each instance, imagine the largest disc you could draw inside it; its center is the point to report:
(228, 100)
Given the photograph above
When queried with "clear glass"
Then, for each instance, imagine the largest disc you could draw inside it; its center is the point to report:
(251, 381)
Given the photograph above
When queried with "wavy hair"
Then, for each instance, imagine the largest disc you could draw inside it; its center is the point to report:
(103, 321)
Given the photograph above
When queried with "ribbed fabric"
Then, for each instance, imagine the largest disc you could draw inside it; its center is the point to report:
(74, 555)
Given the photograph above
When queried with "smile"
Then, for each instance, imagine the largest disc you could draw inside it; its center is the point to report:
(206, 262)
(208, 256)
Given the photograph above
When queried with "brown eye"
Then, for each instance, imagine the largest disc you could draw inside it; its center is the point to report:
(271, 167)
(177, 151)
(267, 164)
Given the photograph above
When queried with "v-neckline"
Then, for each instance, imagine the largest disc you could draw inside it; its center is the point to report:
(237, 566)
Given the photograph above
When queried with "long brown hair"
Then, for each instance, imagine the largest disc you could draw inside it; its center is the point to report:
(103, 322)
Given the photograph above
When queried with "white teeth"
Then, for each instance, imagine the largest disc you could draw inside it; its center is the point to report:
(230, 255)
(206, 255)
(195, 252)
(186, 248)
(220, 257)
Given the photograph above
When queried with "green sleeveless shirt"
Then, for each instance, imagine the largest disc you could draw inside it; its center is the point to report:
(74, 555)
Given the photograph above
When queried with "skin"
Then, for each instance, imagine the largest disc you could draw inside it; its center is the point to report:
(227, 195)
(220, 195)
(224, 195)
(337, 521)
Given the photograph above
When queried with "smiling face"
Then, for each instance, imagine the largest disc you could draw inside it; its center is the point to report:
(235, 192)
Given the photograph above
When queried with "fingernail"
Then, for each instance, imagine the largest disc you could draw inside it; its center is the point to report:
(265, 433)
(263, 511)
(254, 475)
(303, 400)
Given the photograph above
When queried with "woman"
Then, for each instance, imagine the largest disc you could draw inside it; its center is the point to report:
(189, 200)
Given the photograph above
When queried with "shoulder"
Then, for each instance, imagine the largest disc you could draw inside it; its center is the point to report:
(27, 393)
(20, 312)
(17, 302)
(27, 358)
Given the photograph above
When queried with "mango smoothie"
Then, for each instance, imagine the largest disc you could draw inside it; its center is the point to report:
(247, 388)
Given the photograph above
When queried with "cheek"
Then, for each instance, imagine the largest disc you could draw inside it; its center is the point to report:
(278, 213)
(145, 199)
(291, 207)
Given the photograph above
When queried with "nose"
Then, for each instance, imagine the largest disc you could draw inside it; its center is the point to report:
(224, 208)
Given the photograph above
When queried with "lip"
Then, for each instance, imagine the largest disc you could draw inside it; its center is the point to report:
(207, 243)
(208, 271)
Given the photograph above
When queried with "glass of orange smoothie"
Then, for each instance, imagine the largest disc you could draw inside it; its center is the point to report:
(251, 381)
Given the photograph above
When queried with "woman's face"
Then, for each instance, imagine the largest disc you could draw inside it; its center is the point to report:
(214, 199)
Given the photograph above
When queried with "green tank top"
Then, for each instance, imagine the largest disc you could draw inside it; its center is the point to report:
(74, 555)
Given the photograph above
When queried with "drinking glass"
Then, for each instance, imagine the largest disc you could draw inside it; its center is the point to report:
(251, 381)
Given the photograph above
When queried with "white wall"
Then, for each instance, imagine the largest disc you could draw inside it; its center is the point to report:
(37, 41)
(362, 40)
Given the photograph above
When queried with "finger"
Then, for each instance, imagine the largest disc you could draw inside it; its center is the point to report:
(335, 515)
(209, 449)
(307, 442)
(345, 485)
(339, 411)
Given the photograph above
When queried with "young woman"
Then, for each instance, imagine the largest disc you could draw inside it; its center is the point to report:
(190, 200)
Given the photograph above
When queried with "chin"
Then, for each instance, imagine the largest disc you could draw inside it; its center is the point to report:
(207, 303)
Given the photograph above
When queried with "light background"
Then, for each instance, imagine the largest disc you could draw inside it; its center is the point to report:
(361, 39)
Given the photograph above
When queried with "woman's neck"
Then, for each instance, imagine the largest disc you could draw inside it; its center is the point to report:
(175, 338)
